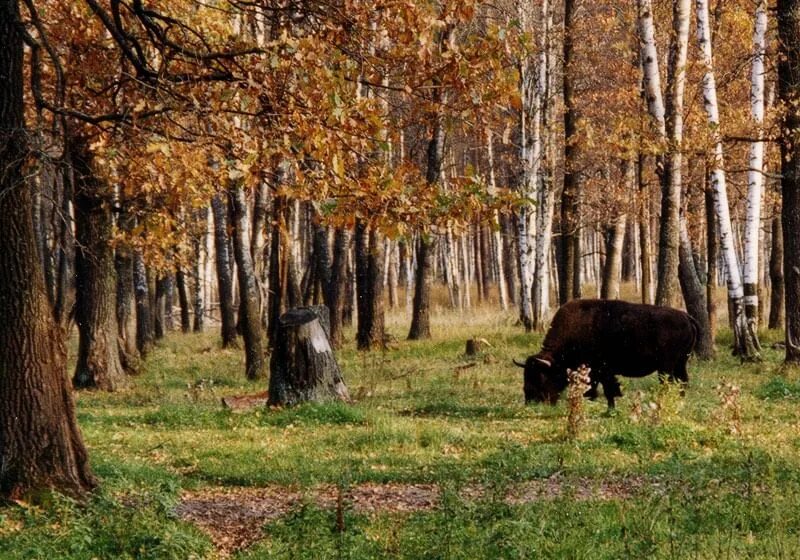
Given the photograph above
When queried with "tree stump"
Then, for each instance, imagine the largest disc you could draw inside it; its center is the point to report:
(475, 346)
(303, 367)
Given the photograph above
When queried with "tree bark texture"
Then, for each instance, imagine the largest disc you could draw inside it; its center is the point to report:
(145, 338)
(224, 271)
(99, 365)
(369, 287)
(776, 315)
(612, 268)
(569, 277)
(198, 270)
(249, 304)
(303, 366)
(746, 343)
(338, 287)
(183, 300)
(788, 16)
(40, 443)
(694, 296)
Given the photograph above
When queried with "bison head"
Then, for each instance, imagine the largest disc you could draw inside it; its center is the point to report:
(540, 381)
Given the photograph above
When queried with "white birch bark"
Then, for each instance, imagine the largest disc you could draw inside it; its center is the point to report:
(530, 155)
(649, 61)
(755, 177)
(546, 195)
(744, 346)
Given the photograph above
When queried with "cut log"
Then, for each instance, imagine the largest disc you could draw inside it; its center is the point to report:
(303, 367)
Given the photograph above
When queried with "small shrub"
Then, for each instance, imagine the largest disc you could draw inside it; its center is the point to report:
(579, 383)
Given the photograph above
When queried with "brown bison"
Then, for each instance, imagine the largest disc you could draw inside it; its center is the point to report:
(612, 338)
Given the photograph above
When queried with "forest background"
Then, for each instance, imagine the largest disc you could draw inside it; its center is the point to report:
(233, 160)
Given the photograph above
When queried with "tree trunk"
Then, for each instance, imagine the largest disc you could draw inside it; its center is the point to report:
(644, 233)
(746, 344)
(302, 366)
(169, 302)
(712, 251)
(755, 173)
(499, 255)
(159, 306)
(569, 277)
(788, 15)
(99, 365)
(369, 286)
(41, 446)
(338, 285)
(776, 315)
(258, 243)
(66, 245)
(224, 272)
(198, 270)
(420, 319)
(249, 305)
(145, 338)
(129, 353)
(671, 178)
(183, 300)
(426, 247)
(695, 297)
(612, 268)
(278, 269)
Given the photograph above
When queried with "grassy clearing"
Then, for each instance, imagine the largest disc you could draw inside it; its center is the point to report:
(717, 480)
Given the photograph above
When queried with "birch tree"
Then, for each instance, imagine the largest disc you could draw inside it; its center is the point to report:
(745, 339)
(533, 79)
(755, 176)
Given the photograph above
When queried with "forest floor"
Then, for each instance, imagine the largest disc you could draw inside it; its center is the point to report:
(433, 459)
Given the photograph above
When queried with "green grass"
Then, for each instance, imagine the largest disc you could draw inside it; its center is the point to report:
(711, 485)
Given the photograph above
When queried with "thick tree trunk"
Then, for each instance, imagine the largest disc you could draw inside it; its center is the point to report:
(788, 15)
(99, 365)
(695, 297)
(776, 316)
(40, 443)
(569, 276)
(369, 287)
(224, 272)
(421, 319)
(278, 269)
(249, 304)
(303, 367)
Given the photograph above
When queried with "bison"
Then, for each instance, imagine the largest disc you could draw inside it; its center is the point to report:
(612, 338)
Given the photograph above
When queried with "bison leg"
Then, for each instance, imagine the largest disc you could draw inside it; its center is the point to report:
(611, 389)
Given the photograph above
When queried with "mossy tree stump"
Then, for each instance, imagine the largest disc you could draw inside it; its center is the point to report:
(303, 367)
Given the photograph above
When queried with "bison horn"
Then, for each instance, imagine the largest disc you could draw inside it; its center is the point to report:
(516, 363)
(548, 363)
